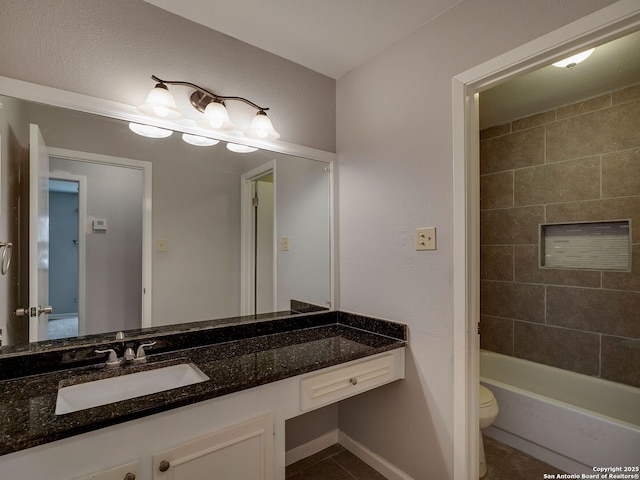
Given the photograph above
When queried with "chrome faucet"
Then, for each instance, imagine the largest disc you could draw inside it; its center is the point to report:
(129, 356)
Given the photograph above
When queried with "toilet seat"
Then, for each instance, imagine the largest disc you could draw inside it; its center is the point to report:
(485, 397)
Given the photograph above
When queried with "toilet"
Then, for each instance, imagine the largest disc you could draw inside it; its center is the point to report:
(488, 413)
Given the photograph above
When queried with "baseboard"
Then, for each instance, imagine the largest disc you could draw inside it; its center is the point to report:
(310, 448)
(372, 459)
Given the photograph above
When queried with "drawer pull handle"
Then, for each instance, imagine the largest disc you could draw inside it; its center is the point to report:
(353, 380)
(164, 466)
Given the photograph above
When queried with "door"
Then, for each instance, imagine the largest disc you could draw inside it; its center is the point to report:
(39, 308)
(240, 452)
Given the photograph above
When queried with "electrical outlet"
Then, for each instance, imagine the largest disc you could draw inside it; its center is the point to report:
(425, 238)
(161, 245)
(284, 244)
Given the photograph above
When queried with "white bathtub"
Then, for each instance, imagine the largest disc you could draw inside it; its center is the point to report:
(574, 422)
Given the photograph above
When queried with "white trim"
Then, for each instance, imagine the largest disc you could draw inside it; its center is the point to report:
(311, 448)
(146, 168)
(610, 22)
(84, 103)
(82, 241)
(371, 458)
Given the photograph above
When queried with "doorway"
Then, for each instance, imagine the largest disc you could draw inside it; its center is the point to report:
(609, 23)
(67, 226)
(258, 260)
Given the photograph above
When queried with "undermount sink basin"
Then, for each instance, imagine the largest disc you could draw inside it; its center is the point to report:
(115, 389)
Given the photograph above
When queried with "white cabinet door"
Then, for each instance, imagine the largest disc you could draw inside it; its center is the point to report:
(243, 451)
(128, 471)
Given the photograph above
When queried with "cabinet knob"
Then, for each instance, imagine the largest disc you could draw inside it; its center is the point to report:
(353, 380)
(164, 466)
(129, 476)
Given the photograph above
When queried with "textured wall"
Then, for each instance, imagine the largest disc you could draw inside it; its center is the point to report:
(577, 163)
(110, 50)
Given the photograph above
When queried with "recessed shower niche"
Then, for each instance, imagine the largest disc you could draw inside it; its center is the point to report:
(591, 246)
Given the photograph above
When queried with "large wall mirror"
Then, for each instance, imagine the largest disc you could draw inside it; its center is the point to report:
(143, 232)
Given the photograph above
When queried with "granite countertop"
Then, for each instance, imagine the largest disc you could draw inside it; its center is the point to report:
(234, 356)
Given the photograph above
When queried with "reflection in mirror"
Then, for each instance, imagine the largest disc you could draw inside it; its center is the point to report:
(153, 232)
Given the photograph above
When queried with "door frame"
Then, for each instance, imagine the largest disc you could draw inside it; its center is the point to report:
(82, 245)
(616, 20)
(246, 212)
(146, 169)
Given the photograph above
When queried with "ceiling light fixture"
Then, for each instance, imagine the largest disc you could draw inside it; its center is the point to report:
(160, 103)
(574, 59)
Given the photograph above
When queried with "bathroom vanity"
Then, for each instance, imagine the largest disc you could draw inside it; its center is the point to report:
(261, 372)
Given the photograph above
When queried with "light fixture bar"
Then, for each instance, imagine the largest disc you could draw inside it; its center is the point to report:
(207, 95)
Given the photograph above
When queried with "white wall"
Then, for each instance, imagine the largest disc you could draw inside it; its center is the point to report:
(394, 126)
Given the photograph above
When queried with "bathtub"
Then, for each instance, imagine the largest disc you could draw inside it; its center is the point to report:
(571, 421)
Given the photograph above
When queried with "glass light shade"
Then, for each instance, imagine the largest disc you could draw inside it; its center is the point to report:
(218, 117)
(199, 141)
(574, 60)
(149, 131)
(160, 103)
(236, 147)
(262, 128)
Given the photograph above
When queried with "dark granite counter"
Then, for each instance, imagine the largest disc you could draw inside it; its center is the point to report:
(234, 355)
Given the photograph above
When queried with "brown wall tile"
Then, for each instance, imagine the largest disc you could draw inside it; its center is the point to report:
(620, 360)
(496, 190)
(558, 347)
(604, 311)
(517, 150)
(496, 334)
(534, 120)
(625, 95)
(586, 106)
(598, 210)
(519, 301)
(529, 271)
(496, 131)
(604, 131)
(496, 263)
(625, 280)
(510, 226)
(621, 174)
(558, 182)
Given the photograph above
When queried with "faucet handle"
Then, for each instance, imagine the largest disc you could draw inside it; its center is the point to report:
(141, 355)
(112, 360)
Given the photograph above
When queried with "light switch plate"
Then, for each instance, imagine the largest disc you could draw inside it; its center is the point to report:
(425, 238)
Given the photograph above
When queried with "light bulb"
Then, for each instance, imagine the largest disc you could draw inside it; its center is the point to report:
(218, 117)
(261, 127)
(160, 103)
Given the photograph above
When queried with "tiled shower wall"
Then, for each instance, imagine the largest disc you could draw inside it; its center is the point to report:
(576, 163)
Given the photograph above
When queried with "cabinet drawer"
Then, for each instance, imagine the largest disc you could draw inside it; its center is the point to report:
(343, 382)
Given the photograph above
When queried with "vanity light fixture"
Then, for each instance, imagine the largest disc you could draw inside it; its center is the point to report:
(149, 131)
(236, 147)
(160, 103)
(572, 61)
(199, 141)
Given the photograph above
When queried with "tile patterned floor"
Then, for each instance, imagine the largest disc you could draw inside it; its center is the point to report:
(337, 463)
(333, 463)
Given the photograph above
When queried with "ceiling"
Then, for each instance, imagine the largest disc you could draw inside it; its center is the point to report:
(333, 37)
